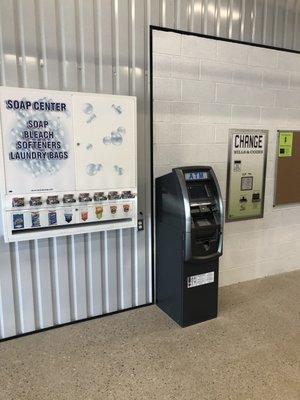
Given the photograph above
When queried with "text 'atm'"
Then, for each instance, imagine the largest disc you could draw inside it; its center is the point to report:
(189, 231)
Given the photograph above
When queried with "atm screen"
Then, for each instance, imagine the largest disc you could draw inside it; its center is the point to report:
(198, 192)
(195, 176)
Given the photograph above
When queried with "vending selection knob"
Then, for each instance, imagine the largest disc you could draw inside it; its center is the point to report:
(99, 196)
(69, 198)
(84, 197)
(127, 194)
(35, 201)
(18, 202)
(114, 195)
(52, 200)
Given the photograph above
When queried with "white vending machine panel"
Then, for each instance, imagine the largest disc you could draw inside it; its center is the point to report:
(68, 163)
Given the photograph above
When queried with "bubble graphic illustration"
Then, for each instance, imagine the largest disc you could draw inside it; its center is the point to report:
(92, 169)
(119, 170)
(88, 108)
(121, 130)
(89, 146)
(106, 140)
(118, 109)
(116, 138)
(91, 118)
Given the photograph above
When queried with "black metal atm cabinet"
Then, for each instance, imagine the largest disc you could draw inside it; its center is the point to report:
(189, 231)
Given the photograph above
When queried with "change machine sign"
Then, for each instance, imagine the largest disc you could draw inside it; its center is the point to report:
(68, 163)
(246, 174)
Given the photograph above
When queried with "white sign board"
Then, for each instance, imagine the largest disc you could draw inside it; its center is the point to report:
(104, 141)
(246, 174)
(37, 141)
(69, 161)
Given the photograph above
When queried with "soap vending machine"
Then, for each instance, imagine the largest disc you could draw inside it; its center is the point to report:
(69, 163)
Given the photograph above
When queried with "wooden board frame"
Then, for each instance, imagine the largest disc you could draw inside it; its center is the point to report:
(287, 173)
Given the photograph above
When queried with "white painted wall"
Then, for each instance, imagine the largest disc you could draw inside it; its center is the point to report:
(204, 87)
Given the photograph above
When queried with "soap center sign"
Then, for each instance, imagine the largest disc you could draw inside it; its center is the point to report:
(37, 142)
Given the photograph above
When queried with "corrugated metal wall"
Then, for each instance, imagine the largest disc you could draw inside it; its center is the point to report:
(102, 46)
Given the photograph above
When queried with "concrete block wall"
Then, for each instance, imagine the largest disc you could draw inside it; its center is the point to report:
(204, 87)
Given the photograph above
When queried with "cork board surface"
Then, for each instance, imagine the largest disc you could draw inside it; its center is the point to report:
(288, 173)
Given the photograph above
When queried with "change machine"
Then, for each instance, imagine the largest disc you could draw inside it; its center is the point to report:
(189, 230)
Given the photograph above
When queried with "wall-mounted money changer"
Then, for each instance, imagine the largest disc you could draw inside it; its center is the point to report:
(67, 163)
(246, 174)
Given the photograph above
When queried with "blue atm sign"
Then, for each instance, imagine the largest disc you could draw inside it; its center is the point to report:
(195, 176)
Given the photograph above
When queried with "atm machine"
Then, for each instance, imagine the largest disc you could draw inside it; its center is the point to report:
(189, 232)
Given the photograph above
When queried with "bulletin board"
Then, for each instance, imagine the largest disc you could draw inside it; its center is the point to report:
(288, 168)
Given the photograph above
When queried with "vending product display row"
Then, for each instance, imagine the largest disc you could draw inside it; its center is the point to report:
(34, 201)
(57, 211)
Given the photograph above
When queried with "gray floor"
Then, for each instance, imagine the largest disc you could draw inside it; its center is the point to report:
(251, 351)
